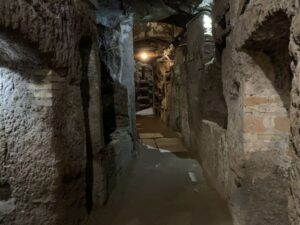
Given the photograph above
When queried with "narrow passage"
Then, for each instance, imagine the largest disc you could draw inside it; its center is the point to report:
(165, 186)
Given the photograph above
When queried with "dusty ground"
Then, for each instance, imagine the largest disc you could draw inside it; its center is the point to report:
(164, 189)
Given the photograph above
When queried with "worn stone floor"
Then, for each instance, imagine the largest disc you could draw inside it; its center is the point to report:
(164, 187)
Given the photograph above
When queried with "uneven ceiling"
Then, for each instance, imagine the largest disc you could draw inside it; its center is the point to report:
(177, 12)
(165, 17)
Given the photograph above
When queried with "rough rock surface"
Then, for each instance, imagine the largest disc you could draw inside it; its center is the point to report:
(116, 53)
(258, 48)
(243, 107)
(50, 132)
(178, 98)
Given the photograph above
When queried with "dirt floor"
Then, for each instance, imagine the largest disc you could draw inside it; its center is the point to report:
(165, 185)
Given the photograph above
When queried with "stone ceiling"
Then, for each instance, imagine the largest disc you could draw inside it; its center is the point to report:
(152, 19)
(177, 12)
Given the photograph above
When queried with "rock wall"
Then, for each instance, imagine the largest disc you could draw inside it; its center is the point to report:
(118, 66)
(196, 102)
(243, 107)
(243, 110)
(52, 166)
(42, 23)
(294, 200)
(178, 97)
(257, 41)
(207, 110)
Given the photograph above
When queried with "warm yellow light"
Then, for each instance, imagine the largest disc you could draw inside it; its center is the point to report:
(144, 56)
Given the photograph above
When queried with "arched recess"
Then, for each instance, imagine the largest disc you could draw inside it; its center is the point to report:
(266, 122)
(28, 169)
(268, 89)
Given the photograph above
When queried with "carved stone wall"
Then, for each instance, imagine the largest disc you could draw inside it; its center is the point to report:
(51, 125)
(258, 47)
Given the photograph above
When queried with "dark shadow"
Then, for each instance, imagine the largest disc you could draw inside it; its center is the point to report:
(85, 47)
(112, 100)
(183, 155)
(108, 103)
(282, 76)
(243, 6)
(18, 52)
(272, 41)
(5, 191)
(212, 104)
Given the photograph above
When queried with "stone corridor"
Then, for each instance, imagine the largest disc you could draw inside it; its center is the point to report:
(166, 186)
(149, 112)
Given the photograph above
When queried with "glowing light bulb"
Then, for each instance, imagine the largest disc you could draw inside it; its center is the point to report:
(144, 56)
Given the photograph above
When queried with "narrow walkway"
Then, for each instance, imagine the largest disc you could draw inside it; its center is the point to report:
(165, 186)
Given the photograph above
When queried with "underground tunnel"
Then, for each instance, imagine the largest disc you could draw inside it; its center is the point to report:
(162, 112)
